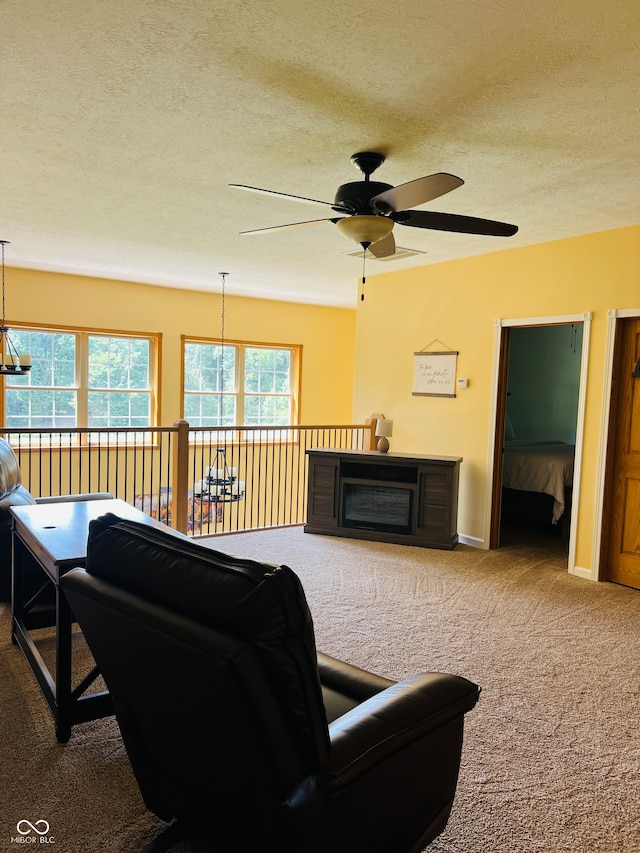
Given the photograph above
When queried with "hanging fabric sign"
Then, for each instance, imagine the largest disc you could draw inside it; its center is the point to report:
(434, 374)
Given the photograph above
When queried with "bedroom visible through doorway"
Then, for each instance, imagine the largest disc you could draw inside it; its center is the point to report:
(536, 436)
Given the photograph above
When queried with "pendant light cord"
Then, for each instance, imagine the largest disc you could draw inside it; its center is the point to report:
(222, 310)
(224, 279)
(3, 313)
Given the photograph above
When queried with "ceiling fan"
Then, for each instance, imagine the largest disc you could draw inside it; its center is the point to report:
(369, 209)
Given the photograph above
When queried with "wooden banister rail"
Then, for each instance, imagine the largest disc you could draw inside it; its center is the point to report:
(158, 469)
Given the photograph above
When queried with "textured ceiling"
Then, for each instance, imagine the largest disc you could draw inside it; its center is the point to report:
(124, 121)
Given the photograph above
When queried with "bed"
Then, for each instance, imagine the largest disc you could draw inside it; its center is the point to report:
(537, 480)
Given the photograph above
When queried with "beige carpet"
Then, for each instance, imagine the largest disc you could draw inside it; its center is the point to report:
(551, 759)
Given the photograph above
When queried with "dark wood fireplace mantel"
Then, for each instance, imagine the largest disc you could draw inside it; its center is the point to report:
(384, 497)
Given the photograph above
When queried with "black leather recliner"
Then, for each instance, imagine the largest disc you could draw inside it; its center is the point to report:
(235, 726)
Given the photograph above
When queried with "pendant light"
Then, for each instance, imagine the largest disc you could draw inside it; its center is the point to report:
(220, 484)
(13, 364)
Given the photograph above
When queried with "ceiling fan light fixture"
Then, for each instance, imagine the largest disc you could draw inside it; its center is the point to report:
(363, 228)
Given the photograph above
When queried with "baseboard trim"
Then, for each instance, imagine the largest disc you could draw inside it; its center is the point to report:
(585, 574)
(474, 541)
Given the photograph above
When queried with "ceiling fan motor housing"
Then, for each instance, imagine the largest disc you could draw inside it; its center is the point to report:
(356, 197)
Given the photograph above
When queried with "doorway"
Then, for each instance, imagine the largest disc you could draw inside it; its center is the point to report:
(540, 377)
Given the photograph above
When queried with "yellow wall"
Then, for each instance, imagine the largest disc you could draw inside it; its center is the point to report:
(457, 304)
(326, 334)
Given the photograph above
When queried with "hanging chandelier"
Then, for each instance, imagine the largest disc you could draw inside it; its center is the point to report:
(220, 484)
(13, 364)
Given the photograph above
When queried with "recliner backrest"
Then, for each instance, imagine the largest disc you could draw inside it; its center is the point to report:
(238, 631)
(9, 468)
(12, 492)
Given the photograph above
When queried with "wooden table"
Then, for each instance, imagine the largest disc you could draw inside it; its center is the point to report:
(48, 540)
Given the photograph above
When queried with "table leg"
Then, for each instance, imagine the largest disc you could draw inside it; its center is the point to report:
(64, 702)
(17, 596)
(38, 602)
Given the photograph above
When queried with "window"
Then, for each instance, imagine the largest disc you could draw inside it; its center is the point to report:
(240, 383)
(119, 392)
(82, 379)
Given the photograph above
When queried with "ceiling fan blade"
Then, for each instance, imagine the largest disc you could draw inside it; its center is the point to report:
(416, 192)
(383, 248)
(453, 222)
(290, 225)
(281, 195)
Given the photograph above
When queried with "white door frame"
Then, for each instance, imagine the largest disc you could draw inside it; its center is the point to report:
(500, 324)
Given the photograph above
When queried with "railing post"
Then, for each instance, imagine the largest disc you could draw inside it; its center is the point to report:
(180, 489)
(370, 441)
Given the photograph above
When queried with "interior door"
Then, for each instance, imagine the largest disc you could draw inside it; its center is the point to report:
(621, 540)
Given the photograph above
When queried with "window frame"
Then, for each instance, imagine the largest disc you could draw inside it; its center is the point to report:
(83, 432)
(238, 436)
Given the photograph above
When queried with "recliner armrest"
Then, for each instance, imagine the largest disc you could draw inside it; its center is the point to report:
(393, 719)
(350, 679)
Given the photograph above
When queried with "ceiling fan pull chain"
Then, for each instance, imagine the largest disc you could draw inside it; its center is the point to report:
(364, 279)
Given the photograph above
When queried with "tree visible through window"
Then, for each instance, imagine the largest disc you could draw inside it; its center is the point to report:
(244, 385)
(47, 396)
(118, 387)
(267, 386)
(81, 379)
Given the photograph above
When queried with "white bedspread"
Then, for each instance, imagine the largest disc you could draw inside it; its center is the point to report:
(539, 466)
